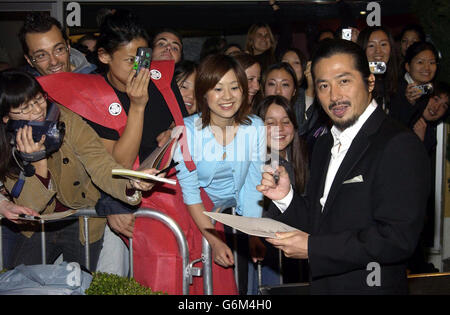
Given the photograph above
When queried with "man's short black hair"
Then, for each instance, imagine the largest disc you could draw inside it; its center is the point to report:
(330, 47)
(38, 22)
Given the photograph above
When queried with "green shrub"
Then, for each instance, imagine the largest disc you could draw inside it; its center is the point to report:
(109, 284)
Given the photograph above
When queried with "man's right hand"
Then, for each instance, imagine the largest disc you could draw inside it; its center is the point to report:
(270, 188)
(122, 223)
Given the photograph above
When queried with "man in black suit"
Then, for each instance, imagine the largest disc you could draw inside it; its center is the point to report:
(364, 208)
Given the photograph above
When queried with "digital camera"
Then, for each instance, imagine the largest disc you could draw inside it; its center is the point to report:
(143, 59)
(347, 33)
(377, 67)
(51, 127)
(425, 88)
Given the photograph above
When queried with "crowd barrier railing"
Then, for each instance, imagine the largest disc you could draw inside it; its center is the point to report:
(189, 270)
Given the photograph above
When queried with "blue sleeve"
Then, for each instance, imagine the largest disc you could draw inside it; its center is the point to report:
(252, 200)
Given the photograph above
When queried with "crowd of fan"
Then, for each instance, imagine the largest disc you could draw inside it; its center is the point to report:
(279, 89)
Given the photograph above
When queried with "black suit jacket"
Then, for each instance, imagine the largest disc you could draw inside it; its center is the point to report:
(378, 220)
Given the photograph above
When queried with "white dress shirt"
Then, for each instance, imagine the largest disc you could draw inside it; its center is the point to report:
(342, 142)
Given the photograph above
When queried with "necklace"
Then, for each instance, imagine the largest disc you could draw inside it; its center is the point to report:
(223, 136)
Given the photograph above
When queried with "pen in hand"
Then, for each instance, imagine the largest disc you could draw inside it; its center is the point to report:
(28, 217)
(276, 176)
(167, 168)
(276, 173)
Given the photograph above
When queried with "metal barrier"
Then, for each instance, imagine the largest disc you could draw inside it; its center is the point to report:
(207, 267)
(207, 261)
(188, 270)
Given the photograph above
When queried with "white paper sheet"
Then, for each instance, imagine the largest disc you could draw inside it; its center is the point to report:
(130, 174)
(262, 227)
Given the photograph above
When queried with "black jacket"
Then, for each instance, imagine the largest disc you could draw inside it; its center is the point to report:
(378, 220)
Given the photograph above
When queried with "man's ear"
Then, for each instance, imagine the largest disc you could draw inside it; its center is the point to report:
(103, 56)
(407, 67)
(371, 82)
(5, 119)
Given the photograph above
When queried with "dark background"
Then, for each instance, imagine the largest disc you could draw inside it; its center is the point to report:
(197, 20)
(234, 17)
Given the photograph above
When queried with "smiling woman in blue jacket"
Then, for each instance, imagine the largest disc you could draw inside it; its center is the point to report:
(228, 147)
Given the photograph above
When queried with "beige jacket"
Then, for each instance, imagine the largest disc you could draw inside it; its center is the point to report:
(80, 166)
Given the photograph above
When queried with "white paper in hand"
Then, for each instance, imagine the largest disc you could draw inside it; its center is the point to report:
(262, 227)
(130, 174)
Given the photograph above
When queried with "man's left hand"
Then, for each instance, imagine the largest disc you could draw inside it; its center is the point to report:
(293, 244)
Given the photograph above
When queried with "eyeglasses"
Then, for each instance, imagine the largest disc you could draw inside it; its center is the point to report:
(38, 100)
(43, 56)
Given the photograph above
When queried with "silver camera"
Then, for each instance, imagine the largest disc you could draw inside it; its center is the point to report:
(347, 33)
(377, 67)
(425, 88)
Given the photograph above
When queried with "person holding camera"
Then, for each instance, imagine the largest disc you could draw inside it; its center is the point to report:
(52, 161)
(424, 124)
(47, 50)
(379, 45)
(416, 86)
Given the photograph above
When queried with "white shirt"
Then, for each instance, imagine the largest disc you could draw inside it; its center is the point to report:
(342, 142)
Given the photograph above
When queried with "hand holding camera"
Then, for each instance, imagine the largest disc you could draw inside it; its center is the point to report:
(37, 139)
(137, 82)
(412, 93)
(350, 33)
(26, 144)
(425, 88)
